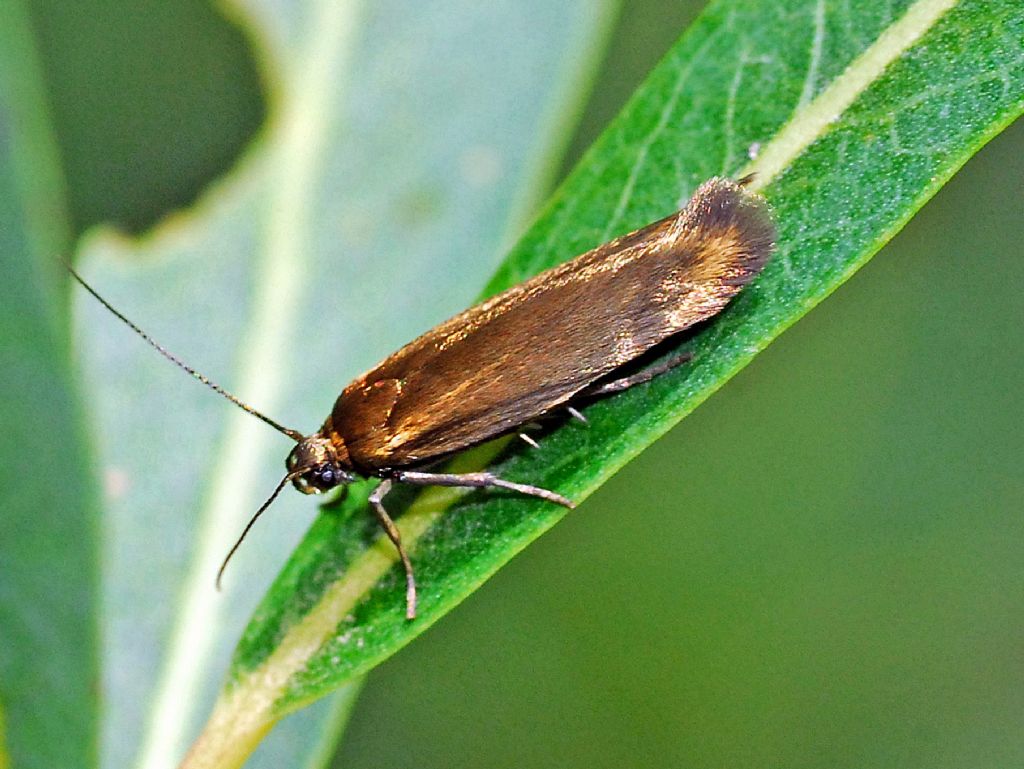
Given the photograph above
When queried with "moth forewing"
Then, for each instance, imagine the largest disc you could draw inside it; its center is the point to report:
(532, 348)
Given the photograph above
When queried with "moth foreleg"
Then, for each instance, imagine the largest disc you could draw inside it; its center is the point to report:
(377, 503)
(478, 481)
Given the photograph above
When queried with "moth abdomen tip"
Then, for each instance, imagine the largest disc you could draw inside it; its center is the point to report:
(731, 229)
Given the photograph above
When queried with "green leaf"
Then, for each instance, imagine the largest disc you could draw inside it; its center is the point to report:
(48, 594)
(400, 139)
(854, 117)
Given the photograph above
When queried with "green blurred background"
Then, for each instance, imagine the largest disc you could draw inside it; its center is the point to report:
(831, 548)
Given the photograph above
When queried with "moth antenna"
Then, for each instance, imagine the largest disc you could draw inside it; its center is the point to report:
(250, 524)
(295, 435)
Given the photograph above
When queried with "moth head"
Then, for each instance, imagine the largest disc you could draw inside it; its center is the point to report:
(314, 466)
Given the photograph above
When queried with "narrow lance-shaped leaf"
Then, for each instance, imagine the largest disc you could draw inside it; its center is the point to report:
(380, 159)
(851, 118)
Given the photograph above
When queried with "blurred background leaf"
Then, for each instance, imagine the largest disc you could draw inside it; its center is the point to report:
(48, 588)
(833, 579)
(398, 138)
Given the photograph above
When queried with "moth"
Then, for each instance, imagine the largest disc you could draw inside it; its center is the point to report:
(535, 349)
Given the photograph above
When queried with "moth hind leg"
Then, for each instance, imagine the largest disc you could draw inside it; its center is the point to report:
(463, 480)
(645, 375)
(479, 481)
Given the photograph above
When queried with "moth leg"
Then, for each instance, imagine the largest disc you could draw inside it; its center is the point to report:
(479, 481)
(618, 385)
(527, 439)
(376, 501)
(576, 414)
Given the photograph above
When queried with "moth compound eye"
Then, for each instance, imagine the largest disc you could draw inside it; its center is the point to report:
(324, 477)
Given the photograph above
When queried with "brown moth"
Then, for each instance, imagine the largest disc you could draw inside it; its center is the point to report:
(539, 347)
